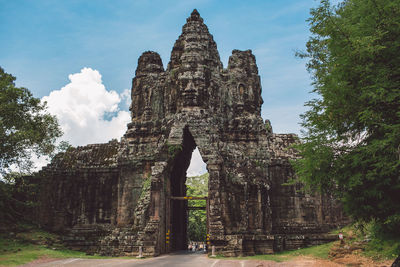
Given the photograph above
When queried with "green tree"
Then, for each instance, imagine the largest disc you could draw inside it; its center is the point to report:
(25, 126)
(351, 145)
(197, 221)
(18, 197)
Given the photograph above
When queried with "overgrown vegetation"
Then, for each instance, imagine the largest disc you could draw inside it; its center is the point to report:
(173, 150)
(145, 188)
(375, 243)
(197, 228)
(18, 194)
(352, 141)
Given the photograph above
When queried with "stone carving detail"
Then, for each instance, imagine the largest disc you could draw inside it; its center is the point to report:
(112, 198)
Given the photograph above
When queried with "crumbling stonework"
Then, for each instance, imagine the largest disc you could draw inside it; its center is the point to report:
(112, 198)
(298, 219)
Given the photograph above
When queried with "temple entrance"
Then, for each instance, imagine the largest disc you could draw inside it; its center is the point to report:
(177, 203)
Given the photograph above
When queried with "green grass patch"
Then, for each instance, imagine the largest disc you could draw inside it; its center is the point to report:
(28, 243)
(15, 252)
(25, 243)
(320, 251)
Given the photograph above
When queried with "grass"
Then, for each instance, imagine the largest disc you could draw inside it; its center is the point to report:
(320, 251)
(30, 243)
(17, 251)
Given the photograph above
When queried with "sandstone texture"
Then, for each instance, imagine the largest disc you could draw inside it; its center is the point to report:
(113, 198)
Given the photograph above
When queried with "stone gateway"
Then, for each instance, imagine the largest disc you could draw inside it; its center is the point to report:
(113, 198)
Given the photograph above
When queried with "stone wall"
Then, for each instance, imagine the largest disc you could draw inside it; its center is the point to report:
(299, 219)
(79, 187)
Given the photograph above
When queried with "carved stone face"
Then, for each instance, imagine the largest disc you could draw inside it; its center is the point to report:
(192, 85)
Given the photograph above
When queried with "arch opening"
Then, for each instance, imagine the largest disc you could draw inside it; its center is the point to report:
(178, 208)
(197, 187)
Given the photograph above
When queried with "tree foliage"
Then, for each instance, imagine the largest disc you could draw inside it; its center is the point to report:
(197, 221)
(25, 126)
(18, 197)
(352, 140)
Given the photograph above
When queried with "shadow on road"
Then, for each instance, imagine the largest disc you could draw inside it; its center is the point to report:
(187, 252)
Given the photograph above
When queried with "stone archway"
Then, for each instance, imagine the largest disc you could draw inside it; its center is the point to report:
(115, 198)
(195, 102)
(176, 210)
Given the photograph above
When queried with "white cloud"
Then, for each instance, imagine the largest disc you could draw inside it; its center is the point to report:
(197, 165)
(126, 97)
(81, 105)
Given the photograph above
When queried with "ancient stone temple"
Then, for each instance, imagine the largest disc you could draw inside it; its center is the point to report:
(113, 198)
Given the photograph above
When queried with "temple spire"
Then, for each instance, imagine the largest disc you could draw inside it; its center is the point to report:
(195, 16)
(194, 46)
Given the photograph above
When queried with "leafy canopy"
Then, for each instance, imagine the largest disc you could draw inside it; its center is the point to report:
(352, 140)
(197, 220)
(25, 126)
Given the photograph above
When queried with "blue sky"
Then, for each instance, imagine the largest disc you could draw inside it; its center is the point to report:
(43, 42)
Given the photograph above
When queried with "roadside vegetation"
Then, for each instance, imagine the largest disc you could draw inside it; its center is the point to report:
(351, 143)
(368, 240)
(351, 139)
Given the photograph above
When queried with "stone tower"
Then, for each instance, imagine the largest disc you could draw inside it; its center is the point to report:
(112, 198)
